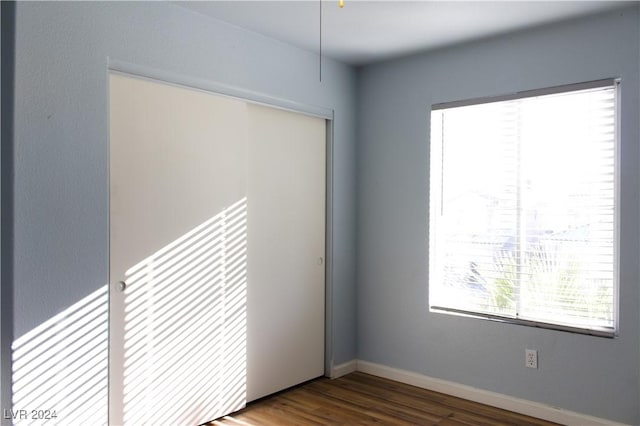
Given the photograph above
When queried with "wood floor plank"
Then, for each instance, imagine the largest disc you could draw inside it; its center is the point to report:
(353, 409)
(447, 401)
(363, 399)
(402, 395)
(279, 413)
(408, 401)
(411, 409)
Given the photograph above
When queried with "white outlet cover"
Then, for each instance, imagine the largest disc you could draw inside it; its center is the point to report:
(531, 358)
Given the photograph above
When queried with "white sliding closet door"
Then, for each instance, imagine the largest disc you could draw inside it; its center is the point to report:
(177, 346)
(217, 232)
(286, 249)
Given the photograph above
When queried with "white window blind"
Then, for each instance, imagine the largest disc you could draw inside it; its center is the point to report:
(523, 208)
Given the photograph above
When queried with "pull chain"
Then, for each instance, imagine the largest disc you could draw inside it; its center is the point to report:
(320, 41)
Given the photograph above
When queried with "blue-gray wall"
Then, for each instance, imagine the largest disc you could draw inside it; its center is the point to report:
(61, 181)
(62, 144)
(592, 375)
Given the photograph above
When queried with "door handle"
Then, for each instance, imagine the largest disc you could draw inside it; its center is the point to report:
(122, 285)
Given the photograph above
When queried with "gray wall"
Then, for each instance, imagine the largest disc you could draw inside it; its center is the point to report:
(61, 136)
(597, 376)
(61, 181)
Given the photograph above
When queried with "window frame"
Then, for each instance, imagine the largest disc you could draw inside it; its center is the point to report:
(608, 332)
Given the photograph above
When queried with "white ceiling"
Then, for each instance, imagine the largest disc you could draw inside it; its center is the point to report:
(368, 31)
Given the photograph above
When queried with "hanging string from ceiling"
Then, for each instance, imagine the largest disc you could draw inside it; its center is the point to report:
(320, 41)
(341, 4)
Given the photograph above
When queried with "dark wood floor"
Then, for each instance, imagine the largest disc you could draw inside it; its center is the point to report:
(362, 399)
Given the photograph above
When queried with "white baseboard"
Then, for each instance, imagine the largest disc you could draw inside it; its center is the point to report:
(494, 399)
(343, 369)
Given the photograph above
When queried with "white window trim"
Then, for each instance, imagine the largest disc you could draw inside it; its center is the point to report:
(608, 332)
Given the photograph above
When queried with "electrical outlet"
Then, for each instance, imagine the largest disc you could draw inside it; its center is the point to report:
(531, 358)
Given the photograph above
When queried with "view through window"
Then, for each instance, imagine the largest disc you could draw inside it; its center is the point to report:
(523, 208)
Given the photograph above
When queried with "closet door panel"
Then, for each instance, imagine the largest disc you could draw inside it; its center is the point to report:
(286, 199)
(178, 181)
(217, 230)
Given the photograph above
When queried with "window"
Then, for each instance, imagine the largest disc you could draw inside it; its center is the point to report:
(523, 219)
